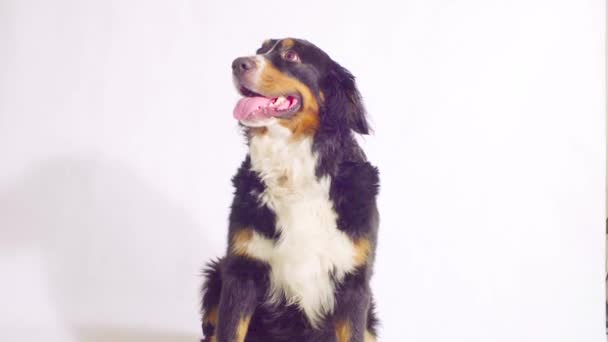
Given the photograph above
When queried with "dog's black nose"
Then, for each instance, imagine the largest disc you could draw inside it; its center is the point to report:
(242, 64)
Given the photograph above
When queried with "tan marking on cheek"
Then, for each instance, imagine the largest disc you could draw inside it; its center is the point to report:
(241, 329)
(343, 332)
(273, 82)
(287, 43)
(362, 251)
(368, 337)
(302, 124)
(213, 339)
(210, 317)
(240, 241)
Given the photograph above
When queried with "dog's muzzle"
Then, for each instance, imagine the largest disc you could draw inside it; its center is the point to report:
(242, 65)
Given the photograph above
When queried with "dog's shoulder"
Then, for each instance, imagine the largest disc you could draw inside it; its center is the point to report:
(247, 210)
(354, 190)
(356, 177)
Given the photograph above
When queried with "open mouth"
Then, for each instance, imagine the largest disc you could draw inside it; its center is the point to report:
(254, 106)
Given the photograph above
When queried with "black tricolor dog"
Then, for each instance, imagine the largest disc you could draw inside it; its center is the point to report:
(303, 224)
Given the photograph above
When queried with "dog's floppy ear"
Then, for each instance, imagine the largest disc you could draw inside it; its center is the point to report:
(342, 100)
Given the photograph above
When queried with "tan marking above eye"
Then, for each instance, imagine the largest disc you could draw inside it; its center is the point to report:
(287, 43)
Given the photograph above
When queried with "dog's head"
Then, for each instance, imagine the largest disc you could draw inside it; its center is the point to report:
(293, 83)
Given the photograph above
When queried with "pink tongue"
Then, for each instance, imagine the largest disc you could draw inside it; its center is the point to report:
(252, 107)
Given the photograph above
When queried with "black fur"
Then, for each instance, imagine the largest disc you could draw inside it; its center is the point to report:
(246, 211)
(344, 99)
(237, 285)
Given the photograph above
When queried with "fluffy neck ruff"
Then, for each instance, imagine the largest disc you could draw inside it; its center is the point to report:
(311, 255)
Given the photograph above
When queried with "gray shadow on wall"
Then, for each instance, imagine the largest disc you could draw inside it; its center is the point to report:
(118, 254)
(110, 334)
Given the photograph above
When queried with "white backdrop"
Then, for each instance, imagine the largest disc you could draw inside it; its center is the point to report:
(117, 146)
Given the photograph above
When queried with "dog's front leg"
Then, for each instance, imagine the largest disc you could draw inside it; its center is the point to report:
(352, 307)
(242, 281)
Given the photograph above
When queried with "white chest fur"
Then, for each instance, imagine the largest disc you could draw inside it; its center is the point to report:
(311, 247)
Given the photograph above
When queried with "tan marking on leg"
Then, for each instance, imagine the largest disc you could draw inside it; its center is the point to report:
(241, 330)
(368, 337)
(210, 317)
(362, 251)
(240, 241)
(343, 332)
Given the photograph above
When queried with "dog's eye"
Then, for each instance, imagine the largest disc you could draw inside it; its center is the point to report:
(291, 56)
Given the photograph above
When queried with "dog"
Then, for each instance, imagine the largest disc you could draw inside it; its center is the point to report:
(303, 223)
